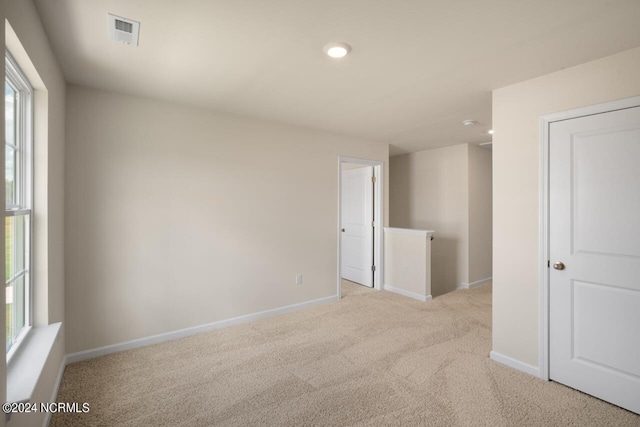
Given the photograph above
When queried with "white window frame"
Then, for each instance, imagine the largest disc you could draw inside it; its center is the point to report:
(24, 187)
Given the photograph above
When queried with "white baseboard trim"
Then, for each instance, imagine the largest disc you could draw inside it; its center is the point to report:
(54, 394)
(475, 284)
(182, 333)
(515, 364)
(480, 282)
(409, 294)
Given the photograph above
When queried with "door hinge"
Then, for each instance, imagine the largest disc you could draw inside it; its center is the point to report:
(373, 268)
(373, 179)
(548, 263)
(373, 224)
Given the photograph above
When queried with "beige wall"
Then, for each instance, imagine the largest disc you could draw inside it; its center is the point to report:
(447, 190)
(179, 216)
(480, 213)
(49, 146)
(407, 262)
(516, 169)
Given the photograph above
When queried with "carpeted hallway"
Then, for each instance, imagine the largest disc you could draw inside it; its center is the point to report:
(374, 358)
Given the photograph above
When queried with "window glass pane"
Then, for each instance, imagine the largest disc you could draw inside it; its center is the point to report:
(16, 304)
(10, 114)
(19, 290)
(10, 175)
(19, 239)
(9, 247)
(10, 105)
(10, 323)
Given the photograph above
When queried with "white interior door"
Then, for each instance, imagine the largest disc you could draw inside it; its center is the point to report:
(357, 225)
(594, 211)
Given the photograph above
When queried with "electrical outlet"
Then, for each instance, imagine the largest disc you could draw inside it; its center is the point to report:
(406, 268)
(299, 279)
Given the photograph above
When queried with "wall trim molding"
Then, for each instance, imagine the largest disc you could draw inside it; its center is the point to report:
(409, 231)
(182, 333)
(515, 364)
(423, 298)
(475, 284)
(56, 388)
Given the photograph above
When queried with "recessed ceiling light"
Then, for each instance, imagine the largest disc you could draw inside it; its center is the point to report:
(490, 132)
(337, 49)
(469, 122)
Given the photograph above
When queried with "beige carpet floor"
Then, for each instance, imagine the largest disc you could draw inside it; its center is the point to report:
(374, 358)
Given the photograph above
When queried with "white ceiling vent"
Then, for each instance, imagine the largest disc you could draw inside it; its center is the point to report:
(123, 30)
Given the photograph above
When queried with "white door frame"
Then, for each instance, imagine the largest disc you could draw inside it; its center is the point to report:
(378, 212)
(545, 122)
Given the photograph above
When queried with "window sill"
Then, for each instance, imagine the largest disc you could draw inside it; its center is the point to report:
(15, 348)
(25, 367)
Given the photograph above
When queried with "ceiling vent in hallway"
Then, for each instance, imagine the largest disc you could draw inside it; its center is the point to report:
(123, 30)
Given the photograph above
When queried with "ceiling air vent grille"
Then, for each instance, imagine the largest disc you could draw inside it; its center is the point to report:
(123, 30)
(127, 27)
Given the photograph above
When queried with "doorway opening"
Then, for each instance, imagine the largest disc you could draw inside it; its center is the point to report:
(360, 222)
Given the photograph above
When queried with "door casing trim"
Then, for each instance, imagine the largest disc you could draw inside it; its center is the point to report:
(544, 238)
(378, 212)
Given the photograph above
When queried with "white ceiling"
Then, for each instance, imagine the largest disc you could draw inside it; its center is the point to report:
(418, 68)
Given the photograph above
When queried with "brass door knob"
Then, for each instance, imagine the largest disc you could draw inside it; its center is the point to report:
(558, 266)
